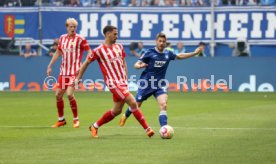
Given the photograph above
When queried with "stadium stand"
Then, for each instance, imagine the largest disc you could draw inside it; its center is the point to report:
(43, 44)
(106, 3)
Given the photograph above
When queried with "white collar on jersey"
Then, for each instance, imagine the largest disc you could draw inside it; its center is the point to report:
(158, 50)
(68, 36)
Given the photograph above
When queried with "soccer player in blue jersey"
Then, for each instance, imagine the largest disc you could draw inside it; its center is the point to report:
(156, 61)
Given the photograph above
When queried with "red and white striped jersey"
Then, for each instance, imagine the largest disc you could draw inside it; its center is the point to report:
(72, 49)
(111, 61)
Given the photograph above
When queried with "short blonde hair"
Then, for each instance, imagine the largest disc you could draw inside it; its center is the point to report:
(161, 35)
(71, 20)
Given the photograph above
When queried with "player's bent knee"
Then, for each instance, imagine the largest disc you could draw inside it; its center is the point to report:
(70, 97)
(133, 105)
(163, 106)
(59, 96)
(116, 112)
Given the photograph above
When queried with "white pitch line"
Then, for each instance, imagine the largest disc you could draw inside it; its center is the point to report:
(208, 128)
(23, 126)
(134, 127)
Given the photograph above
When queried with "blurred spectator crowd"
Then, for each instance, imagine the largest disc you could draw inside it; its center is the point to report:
(103, 3)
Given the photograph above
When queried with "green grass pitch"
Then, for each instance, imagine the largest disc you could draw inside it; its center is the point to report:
(209, 128)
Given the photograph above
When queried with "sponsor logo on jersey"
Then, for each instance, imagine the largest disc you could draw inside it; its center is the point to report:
(159, 63)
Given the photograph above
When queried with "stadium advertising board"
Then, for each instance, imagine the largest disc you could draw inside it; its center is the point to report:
(186, 24)
(193, 75)
(191, 24)
(19, 22)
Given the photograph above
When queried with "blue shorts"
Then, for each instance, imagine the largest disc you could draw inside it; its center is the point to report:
(144, 94)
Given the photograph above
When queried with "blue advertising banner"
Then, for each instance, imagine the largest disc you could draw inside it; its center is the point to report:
(257, 24)
(19, 23)
(188, 24)
(223, 74)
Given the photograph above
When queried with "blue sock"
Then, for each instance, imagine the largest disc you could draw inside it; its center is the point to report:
(128, 112)
(163, 119)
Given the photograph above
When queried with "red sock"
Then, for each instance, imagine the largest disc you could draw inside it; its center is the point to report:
(60, 108)
(140, 117)
(74, 107)
(108, 116)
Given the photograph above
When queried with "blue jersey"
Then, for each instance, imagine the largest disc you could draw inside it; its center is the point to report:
(157, 64)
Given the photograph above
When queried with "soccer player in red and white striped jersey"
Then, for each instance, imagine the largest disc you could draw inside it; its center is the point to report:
(112, 64)
(70, 47)
(111, 58)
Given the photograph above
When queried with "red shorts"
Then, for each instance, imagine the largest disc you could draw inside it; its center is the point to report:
(65, 81)
(119, 93)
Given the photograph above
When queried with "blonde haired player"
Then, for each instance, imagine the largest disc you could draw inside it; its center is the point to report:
(70, 47)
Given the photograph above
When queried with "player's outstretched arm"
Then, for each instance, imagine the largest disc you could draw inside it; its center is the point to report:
(53, 60)
(139, 64)
(188, 55)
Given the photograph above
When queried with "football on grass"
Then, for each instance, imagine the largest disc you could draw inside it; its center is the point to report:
(166, 132)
